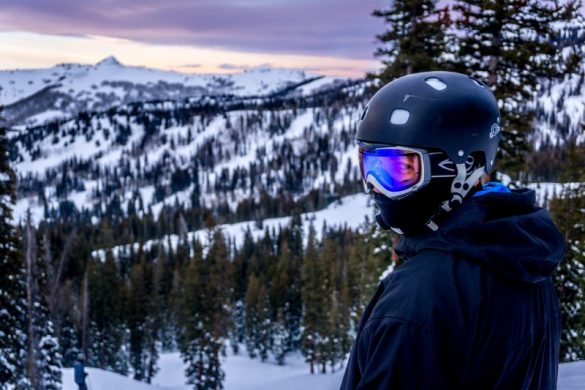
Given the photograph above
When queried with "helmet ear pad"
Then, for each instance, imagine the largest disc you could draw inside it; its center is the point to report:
(411, 213)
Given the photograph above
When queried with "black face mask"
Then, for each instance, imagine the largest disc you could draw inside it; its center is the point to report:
(411, 213)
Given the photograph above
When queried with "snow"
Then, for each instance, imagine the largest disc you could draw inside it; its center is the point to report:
(320, 83)
(243, 373)
(46, 116)
(572, 376)
(25, 204)
(104, 380)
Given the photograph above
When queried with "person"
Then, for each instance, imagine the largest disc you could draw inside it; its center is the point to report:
(79, 373)
(472, 305)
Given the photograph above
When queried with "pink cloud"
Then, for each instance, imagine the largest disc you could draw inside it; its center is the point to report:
(341, 28)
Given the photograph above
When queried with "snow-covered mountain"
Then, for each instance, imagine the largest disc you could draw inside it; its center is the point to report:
(210, 151)
(35, 96)
(249, 145)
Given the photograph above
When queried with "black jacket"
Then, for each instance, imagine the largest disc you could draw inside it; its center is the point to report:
(473, 306)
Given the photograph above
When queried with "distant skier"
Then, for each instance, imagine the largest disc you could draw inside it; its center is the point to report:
(79, 372)
(472, 306)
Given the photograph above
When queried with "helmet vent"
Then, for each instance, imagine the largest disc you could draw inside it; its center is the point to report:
(364, 113)
(477, 82)
(399, 116)
(436, 83)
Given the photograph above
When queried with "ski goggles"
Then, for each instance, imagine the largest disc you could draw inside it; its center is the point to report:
(396, 171)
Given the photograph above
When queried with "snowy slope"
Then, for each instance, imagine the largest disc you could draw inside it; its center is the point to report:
(105, 380)
(243, 373)
(349, 211)
(318, 85)
(35, 96)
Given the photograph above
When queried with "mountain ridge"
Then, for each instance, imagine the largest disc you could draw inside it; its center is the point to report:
(37, 96)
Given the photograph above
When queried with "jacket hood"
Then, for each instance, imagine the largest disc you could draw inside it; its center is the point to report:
(505, 231)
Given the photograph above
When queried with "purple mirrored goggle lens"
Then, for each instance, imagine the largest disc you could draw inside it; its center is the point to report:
(394, 169)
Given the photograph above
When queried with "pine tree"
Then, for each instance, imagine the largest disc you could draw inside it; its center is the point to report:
(511, 45)
(329, 348)
(191, 314)
(280, 337)
(220, 293)
(43, 351)
(568, 211)
(252, 317)
(338, 309)
(369, 257)
(280, 296)
(49, 360)
(264, 333)
(166, 285)
(68, 342)
(109, 338)
(414, 40)
(294, 310)
(202, 358)
(241, 265)
(200, 338)
(12, 286)
(314, 301)
(142, 322)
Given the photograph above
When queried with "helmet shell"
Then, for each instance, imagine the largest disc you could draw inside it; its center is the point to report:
(444, 110)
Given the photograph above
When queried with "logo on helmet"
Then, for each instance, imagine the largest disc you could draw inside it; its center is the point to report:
(494, 130)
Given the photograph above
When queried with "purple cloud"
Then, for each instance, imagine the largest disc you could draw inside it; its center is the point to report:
(343, 28)
(233, 67)
(192, 66)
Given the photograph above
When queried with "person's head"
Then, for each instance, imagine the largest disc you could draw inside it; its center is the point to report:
(424, 142)
(81, 357)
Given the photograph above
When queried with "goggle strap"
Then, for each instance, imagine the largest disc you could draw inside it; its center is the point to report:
(456, 197)
(457, 183)
(432, 225)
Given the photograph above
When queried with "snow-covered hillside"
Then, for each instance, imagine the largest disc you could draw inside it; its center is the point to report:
(160, 154)
(349, 211)
(243, 373)
(35, 96)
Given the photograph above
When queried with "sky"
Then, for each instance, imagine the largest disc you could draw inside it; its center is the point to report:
(331, 37)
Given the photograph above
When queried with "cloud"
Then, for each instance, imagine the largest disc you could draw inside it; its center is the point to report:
(246, 67)
(192, 66)
(233, 67)
(341, 28)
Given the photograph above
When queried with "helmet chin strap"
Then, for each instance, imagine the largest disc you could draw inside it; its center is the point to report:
(460, 187)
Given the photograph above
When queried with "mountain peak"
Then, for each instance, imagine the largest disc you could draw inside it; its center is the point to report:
(110, 60)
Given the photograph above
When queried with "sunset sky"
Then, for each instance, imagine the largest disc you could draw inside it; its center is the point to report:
(333, 37)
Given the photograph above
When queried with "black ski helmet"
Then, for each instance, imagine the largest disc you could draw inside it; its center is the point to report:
(445, 111)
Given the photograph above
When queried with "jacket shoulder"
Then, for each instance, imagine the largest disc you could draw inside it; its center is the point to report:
(434, 291)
